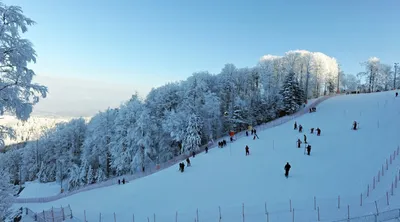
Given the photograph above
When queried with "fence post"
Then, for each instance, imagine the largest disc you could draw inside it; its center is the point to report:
(391, 189)
(348, 211)
(318, 214)
(338, 202)
(293, 215)
(265, 207)
(290, 205)
(376, 206)
(387, 198)
(243, 211)
(197, 214)
(379, 176)
(373, 183)
(220, 215)
(315, 202)
(361, 200)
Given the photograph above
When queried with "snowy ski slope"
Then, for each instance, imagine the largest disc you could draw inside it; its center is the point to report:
(342, 162)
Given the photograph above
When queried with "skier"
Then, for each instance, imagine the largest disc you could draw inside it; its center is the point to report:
(318, 131)
(123, 180)
(298, 143)
(247, 150)
(206, 149)
(308, 149)
(224, 142)
(193, 154)
(305, 139)
(287, 168)
(252, 131)
(312, 130)
(300, 128)
(188, 162)
(397, 94)
(295, 125)
(255, 131)
(247, 133)
(180, 167)
(231, 139)
(355, 125)
(119, 182)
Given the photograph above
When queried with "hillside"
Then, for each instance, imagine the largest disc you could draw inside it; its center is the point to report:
(342, 162)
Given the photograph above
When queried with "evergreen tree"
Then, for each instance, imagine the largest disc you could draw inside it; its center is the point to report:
(192, 140)
(292, 94)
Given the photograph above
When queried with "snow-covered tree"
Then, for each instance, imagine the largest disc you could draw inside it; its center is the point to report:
(6, 197)
(18, 94)
(292, 94)
(192, 140)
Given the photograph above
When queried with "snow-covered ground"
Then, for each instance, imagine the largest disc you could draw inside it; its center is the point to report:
(36, 189)
(342, 164)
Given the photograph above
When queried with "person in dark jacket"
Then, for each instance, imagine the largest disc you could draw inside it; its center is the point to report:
(119, 181)
(308, 149)
(287, 168)
(295, 126)
(397, 94)
(298, 143)
(305, 138)
(300, 128)
(247, 133)
(318, 131)
(206, 149)
(193, 154)
(312, 130)
(123, 180)
(188, 162)
(247, 150)
(355, 125)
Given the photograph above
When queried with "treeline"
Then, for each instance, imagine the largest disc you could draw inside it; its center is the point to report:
(173, 119)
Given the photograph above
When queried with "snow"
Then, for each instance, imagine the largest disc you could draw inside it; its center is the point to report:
(342, 163)
(37, 189)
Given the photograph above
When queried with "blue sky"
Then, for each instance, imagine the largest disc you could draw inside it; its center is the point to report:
(148, 43)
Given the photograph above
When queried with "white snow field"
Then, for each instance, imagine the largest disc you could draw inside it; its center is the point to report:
(328, 185)
(35, 188)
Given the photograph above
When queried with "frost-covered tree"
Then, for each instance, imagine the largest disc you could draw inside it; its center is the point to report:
(292, 95)
(192, 140)
(6, 197)
(18, 94)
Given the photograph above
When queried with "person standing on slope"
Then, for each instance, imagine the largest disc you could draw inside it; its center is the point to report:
(305, 139)
(206, 149)
(308, 149)
(397, 94)
(188, 162)
(355, 125)
(247, 150)
(300, 128)
(287, 168)
(318, 131)
(295, 126)
(298, 143)
(312, 131)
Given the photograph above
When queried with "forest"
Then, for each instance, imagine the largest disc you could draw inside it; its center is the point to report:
(179, 117)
